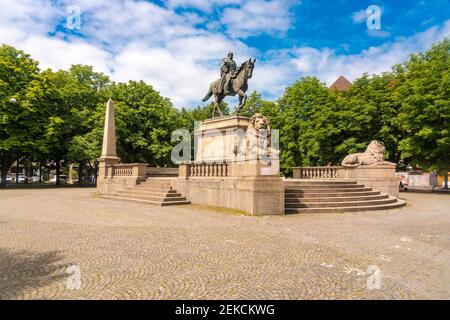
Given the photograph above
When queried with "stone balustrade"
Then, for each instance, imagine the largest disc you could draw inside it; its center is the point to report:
(122, 170)
(204, 170)
(208, 170)
(328, 172)
(378, 177)
(117, 176)
(126, 170)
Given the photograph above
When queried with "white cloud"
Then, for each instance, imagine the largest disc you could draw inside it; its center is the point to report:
(255, 17)
(141, 41)
(28, 16)
(180, 78)
(378, 33)
(205, 5)
(243, 18)
(327, 65)
(128, 40)
(179, 70)
(359, 16)
(58, 54)
(122, 21)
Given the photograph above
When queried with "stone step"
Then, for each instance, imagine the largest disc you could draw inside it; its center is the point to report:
(323, 186)
(151, 202)
(321, 204)
(156, 185)
(313, 194)
(149, 197)
(155, 192)
(326, 190)
(308, 182)
(336, 199)
(396, 204)
(152, 188)
(158, 181)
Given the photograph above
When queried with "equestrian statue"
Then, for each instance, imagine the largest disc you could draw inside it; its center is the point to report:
(233, 81)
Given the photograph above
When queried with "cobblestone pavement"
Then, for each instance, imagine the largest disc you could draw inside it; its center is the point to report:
(133, 251)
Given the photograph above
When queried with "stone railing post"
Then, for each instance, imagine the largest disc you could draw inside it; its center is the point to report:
(327, 172)
(184, 170)
(140, 170)
(342, 172)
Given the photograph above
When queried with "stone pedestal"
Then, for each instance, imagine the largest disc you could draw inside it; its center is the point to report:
(377, 177)
(255, 195)
(220, 140)
(251, 183)
(250, 168)
(216, 139)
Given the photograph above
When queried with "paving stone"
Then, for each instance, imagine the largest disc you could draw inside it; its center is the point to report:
(134, 251)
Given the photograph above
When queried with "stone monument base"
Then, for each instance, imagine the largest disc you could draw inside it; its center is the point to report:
(261, 195)
(225, 173)
(377, 177)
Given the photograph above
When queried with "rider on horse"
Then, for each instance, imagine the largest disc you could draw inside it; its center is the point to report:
(228, 71)
(233, 81)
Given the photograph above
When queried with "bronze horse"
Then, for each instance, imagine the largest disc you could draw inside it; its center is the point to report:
(238, 87)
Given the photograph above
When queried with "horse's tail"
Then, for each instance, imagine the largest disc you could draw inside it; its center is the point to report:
(208, 95)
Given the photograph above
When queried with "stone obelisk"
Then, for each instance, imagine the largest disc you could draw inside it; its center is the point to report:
(109, 155)
(109, 135)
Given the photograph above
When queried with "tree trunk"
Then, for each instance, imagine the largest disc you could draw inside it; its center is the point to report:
(30, 177)
(3, 174)
(446, 181)
(58, 167)
(27, 172)
(6, 163)
(17, 170)
(80, 172)
(96, 173)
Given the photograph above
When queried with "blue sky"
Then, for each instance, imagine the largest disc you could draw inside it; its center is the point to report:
(170, 44)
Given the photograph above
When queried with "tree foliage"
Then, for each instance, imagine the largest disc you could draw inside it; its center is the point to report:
(408, 109)
(19, 116)
(59, 115)
(144, 123)
(424, 115)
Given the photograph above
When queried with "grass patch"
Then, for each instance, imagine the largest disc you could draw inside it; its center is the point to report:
(223, 210)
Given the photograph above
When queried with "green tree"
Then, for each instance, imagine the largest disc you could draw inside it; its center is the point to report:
(256, 104)
(187, 117)
(425, 109)
(19, 127)
(144, 121)
(305, 118)
(87, 97)
(368, 112)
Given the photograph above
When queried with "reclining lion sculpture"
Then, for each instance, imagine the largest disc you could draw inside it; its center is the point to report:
(374, 155)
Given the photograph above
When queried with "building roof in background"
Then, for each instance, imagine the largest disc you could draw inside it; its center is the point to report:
(341, 84)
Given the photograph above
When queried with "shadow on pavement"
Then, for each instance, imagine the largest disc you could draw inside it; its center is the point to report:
(23, 270)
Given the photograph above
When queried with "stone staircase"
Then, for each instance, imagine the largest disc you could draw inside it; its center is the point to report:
(334, 195)
(154, 191)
